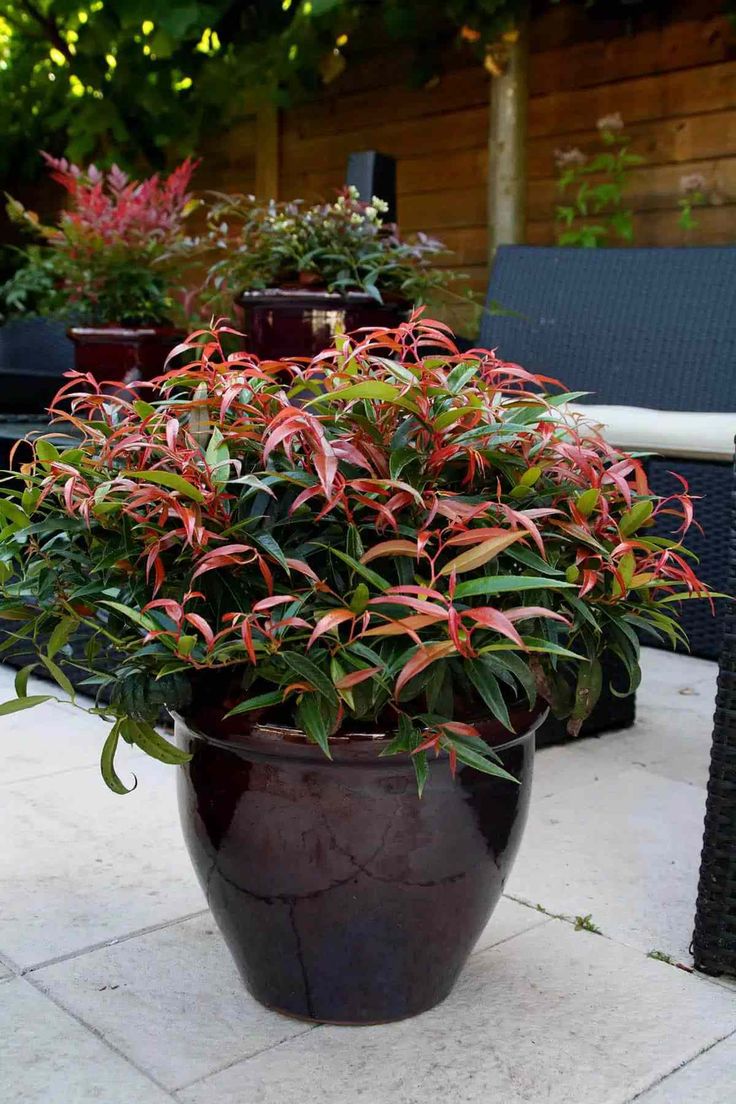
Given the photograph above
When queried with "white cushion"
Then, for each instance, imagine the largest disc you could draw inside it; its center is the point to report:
(689, 434)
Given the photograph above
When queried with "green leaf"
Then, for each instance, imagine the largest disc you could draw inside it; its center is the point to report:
(360, 598)
(421, 770)
(399, 458)
(145, 736)
(515, 663)
(170, 480)
(13, 513)
(634, 518)
(45, 450)
(369, 389)
(587, 501)
(17, 704)
(311, 673)
(140, 619)
(57, 675)
(310, 718)
(260, 701)
(486, 683)
(367, 573)
(60, 635)
(21, 680)
(107, 761)
(503, 584)
(480, 762)
(460, 375)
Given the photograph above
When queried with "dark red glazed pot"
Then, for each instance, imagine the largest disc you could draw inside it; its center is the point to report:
(342, 895)
(283, 323)
(125, 353)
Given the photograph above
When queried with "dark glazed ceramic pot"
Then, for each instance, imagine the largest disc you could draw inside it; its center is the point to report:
(342, 895)
(125, 353)
(283, 323)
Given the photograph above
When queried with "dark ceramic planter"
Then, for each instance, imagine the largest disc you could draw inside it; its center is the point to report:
(342, 895)
(282, 323)
(122, 353)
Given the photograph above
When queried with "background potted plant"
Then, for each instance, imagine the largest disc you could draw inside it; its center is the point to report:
(303, 274)
(356, 583)
(112, 265)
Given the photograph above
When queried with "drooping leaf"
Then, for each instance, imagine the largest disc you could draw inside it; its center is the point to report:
(17, 704)
(107, 763)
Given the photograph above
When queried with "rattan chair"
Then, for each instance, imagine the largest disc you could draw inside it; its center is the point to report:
(636, 327)
(714, 938)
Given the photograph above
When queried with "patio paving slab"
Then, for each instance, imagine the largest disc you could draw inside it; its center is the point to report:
(708, 1079)
(80, 865)
(173, 1002)
(46, 1057)
(624, 848)
(552, 1015)
(671, 736)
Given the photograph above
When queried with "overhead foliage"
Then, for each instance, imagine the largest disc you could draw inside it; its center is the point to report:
(141, 83)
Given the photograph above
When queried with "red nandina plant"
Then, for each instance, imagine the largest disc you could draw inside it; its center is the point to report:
(117, 251)
(395, 536)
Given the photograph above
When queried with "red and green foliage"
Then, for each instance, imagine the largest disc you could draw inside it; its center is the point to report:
(116, 253)
(395, 536)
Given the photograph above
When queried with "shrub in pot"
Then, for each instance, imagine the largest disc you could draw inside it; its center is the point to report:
(356, 583)
(304, 273)
(112, 266)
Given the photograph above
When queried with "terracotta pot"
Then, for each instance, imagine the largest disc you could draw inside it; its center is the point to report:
(289, 323)
(343, 896)
(124, 353)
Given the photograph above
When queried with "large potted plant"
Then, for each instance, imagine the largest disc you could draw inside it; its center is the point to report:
(301, 273)
(357, 584)
(113, 266)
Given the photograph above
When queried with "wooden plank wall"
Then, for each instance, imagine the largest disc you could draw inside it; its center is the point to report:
(439, 136)
(675, 87)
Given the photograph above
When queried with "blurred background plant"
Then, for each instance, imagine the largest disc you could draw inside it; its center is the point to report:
(341, 246)
(593, 187)
(118, 253)
(693, 194)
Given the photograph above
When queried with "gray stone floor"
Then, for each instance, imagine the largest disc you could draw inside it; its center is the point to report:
(116, 988)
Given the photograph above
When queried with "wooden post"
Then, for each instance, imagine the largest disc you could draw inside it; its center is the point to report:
(267, 150)
(507, 148)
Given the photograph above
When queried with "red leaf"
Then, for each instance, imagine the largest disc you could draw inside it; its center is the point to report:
(491, 618)
(329, 621)
(356, 677)
(421, 659)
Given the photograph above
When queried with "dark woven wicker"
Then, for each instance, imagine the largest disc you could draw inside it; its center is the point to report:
(636, 327)
(711, 481)
(714, 938)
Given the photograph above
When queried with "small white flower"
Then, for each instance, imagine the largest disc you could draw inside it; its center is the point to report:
(611, 122)
(565, 157)
(692, 182)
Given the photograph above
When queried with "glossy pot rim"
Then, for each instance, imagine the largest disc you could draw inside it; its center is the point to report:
(113, 333)
(314, 299)
(364, 749)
